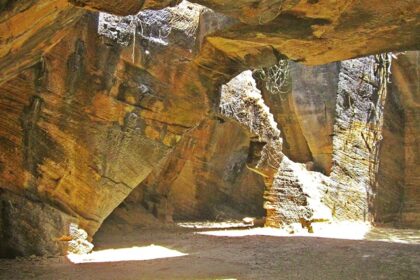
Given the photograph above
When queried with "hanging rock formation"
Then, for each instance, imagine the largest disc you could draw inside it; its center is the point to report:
(314, 32)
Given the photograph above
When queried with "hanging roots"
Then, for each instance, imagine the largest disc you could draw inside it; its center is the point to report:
(277, 77)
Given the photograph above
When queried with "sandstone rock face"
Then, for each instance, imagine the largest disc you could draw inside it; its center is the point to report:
(295, 195)
(31, 227)
(350, 135)
(373, 169)
(411, 200)
(314, 91)
(396, 196)
(124, 8)
(30, 28)
(389, 186)
(88, 124)
(205, 177)
(292, 194)
(304, 110)
(405, 72)
(314, 32)
(278, 97)
(361, 96)
(317, 32)
(250, 12)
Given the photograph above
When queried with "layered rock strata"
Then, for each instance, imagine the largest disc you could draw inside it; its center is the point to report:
(85, 126)
(405, 81)
(314, 32)
(362, 90)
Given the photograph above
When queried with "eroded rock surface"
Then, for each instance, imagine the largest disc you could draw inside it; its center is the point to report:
(362, 90)
(292, 194)
(123, 8)
(405, 80)
(30, 28)
(85, 126)
(29, 226)
(275, 84)
(314, 32)
(205, 177)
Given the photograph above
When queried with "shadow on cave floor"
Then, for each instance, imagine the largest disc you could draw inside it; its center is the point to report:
(188, 253)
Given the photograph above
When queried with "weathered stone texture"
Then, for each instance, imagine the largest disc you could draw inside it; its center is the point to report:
(318, 33)
(30, 28)
(31, 227)
(88, 124)
(123, 8)
(284, 113)
(86, 117)
(314, 91)
(314, 32)
(205, 177)
(411, 201)
(405, 72)
(304, 110)
(292, 194)
(361, 98)
(389, 186)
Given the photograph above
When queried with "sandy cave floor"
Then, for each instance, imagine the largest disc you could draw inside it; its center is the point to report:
(215, 252)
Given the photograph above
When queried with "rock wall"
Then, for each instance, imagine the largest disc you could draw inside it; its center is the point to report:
(100, 111)
(276, 91)
(340, 107)
(30, 28)
(314, 94)
(362, 90)
(205, 177)
(88, 123)
(389, 187)
(406, 84)
(358, 186)
(31, 227)
(411, 201)
(316, 32)
(292, 193)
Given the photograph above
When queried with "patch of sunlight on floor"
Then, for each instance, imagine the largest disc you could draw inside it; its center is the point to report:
(336, 230)
(342, 230)
(407, 236)
(126, 254)
(214, 225)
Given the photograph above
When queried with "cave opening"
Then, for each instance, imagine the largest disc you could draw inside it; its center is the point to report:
(242, 101)
(209, 139)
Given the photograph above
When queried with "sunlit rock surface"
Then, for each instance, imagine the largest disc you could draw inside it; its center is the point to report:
(292, 194)
(361, 96)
